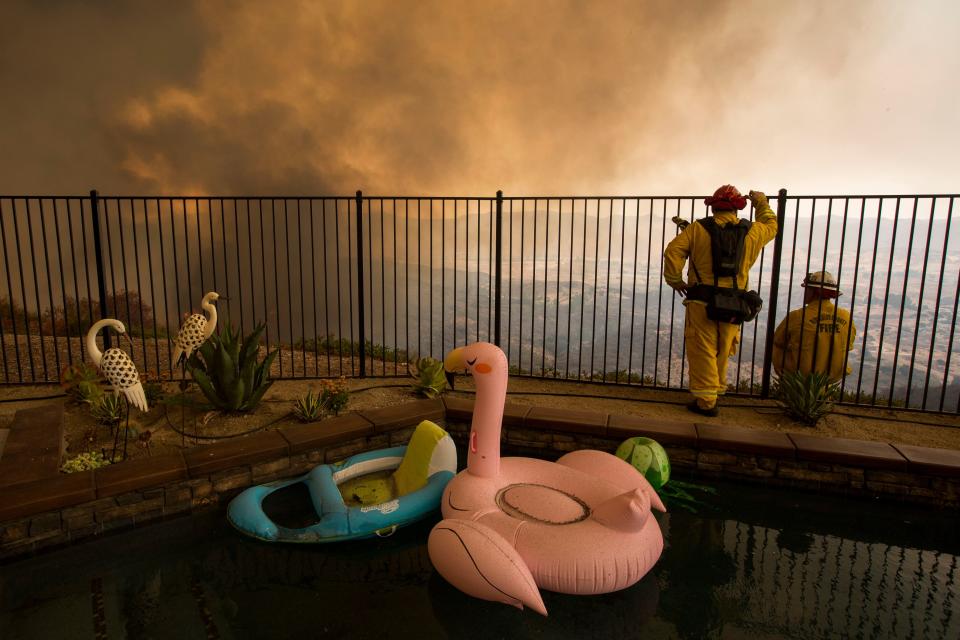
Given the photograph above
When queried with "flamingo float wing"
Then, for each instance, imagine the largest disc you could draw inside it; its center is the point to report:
(480, 562)
(601, 464)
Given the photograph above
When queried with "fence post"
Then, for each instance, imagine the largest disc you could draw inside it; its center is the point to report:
(98, 254)
(363, 339)
(774, 293)
(498, 243)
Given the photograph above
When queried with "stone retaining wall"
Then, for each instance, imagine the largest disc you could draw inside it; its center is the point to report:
(62, 509)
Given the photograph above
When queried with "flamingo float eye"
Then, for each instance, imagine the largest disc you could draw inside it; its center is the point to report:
(470, 363)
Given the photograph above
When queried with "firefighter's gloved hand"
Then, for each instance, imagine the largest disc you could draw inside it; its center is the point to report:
(758, 198)
(680, 288)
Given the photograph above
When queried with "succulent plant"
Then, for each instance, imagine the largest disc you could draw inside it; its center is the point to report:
(431, 380)
(85, 462)
(308, 408)
(807, 397)
(227, 370)
(106, 408)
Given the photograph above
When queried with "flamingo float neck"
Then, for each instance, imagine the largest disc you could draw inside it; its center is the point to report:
(488, 366)
(92, 348)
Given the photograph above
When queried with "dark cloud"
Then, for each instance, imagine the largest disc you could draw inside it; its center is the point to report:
(439, 97)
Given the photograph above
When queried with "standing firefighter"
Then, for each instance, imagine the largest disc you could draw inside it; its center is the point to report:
(721, 249)
(818, 336)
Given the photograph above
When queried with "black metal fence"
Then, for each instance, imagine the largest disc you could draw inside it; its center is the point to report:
(570, 287)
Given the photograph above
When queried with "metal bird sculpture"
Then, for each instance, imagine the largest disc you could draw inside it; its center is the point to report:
(116, 365)
(196, 329)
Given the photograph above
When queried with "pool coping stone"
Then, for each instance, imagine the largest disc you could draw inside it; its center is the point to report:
(569, 420)
(304, 437)
(927, 460)
(725, 437)
(140, 473)
(408, 414)
(666, 432)
(855, 453)
(38, 496)
(206, 459)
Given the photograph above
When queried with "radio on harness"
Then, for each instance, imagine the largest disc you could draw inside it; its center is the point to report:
(726, 304)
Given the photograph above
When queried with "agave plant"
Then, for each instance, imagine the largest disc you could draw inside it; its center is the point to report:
(106, 408)
(308, 408)
(227, 370)
(807, 397)
(431, 380)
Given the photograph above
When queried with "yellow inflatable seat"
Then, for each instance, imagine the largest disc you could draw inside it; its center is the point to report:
(412, 474)
(414, 470)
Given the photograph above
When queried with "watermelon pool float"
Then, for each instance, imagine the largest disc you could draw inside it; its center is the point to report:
(648, 457)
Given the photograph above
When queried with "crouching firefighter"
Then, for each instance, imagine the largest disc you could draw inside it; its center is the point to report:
(721, 248)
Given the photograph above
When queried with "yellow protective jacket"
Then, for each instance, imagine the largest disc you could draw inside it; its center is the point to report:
(814, 328)
(694, 242)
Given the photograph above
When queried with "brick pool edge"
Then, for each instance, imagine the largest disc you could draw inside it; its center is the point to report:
(59, 510)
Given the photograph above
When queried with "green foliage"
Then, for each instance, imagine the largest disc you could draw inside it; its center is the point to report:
(154, 393)
(334, 394)
(80, 382)
(308, 408)
(431, 380)
(745, 386)
(683, 495)
(153, 388)
(806, 397)
(106, 408)
(332, 345)
(85, 462)
(227, 370)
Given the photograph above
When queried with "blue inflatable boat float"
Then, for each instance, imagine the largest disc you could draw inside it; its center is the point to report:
(369, 494)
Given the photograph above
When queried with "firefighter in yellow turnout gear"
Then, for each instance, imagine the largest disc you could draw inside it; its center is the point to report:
(709, 343)
(818, 336)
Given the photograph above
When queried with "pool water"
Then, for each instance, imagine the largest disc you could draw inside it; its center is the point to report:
(751, 563)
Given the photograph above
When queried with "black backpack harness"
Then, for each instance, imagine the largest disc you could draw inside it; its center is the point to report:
(726, 304)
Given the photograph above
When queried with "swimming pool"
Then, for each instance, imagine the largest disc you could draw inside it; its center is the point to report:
(757, 562)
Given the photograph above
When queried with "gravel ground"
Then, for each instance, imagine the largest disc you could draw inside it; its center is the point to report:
(150, 355)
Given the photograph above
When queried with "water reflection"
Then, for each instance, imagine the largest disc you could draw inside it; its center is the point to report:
(758, 563)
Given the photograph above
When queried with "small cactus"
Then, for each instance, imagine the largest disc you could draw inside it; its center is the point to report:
(106, 409)
(807, 397)
(431, 380)
(308, 408)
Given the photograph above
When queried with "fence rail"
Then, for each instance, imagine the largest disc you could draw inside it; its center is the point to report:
(571, 287)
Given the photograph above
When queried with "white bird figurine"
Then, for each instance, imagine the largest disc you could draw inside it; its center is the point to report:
(116, 365)
(196, 329)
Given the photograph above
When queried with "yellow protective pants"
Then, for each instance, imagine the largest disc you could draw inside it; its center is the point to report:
(709, 346)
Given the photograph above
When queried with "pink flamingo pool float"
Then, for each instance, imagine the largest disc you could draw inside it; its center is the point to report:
(513, 526)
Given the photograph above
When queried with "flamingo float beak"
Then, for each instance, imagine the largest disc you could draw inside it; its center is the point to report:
(454, 362)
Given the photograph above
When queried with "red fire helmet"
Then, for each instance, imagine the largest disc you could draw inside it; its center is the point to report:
(726, 198)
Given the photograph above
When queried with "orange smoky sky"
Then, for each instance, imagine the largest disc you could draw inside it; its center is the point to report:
(397, 97)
